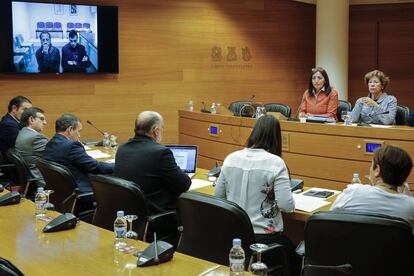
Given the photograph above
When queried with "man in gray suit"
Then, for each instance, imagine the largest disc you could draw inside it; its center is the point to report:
(30, 143)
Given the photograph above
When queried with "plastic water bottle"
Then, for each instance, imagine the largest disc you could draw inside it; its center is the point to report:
(106, 142)
(40, 201)
(120, 229)
(213, 108)
(236, 258)
(190, 106)
(355, 179)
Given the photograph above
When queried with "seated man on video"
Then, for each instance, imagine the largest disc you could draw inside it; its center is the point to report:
(47, 56)
(74, 57)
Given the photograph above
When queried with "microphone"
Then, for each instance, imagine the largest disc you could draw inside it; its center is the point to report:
(344, 268)
(89, 122)
(361, 123)
(156, 259)
(251, 98)
(300, 105)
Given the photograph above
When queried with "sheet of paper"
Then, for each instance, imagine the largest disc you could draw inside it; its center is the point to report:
(335, 192)
(198, 183)
(86, 147)
(307, 203)
(110, 161)
(380, 126)
(97, 154)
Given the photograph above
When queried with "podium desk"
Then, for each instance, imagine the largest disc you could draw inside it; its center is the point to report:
(322, 155)
(85, 250)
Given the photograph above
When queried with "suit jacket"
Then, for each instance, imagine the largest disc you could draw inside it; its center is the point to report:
(9, 129)
(72, 154)
(30, 144)
(152, 167)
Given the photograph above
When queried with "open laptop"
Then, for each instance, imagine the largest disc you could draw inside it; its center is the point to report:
(186, 157)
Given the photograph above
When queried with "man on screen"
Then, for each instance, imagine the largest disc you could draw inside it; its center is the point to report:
(47, 56)
(74, 58)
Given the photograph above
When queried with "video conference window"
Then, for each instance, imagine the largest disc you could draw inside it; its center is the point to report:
(54, 38)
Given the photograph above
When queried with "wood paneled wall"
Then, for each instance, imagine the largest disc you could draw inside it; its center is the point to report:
(166, 59)
(381, 37)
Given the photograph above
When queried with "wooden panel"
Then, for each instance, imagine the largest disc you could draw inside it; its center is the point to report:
(165, 50)
(378, 39)
(323, 183)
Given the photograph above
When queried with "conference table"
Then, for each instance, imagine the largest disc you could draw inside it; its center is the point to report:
(323, 155)
(85, 250)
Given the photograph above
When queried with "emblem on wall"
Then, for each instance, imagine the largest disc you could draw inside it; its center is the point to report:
(231, 56)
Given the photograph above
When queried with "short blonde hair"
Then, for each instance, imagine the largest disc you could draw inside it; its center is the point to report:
(384, 79)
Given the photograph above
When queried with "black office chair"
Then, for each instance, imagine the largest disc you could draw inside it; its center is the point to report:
(66, 196)
(25, 180)
(402, 116)
(349, 243)
(209, 226)
(342, 106)
(284, 109)
(243, 108)
(114, 193)
(8, 269)
(5, 167)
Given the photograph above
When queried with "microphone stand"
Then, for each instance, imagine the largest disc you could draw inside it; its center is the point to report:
(90, 123)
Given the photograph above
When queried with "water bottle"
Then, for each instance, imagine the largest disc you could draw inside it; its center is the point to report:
(40, 201)
(190, 106)
(236, 258)
(259, 112)
(213, 108)
(355, 179)
(120, 229)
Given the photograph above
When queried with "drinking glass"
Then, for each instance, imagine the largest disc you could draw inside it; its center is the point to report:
(258, 267)
(131, 234)
(113, 142)
(49, 206)
(345, 116)
(302, 117)
(105, 141)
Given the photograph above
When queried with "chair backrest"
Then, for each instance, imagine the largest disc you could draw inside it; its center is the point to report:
(22, 169)
(86, 25)
(49, 25)
(342, 106)
(372, 244)
(113, 194)
(403, 113)
(243, 108)
(57, 25)
(209, 226)
(40, 25)
(277, 107)
(78, 25)
(59, 179)
(70, 25)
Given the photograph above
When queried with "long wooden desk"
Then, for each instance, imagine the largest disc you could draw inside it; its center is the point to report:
(85, 250)
(322, 155)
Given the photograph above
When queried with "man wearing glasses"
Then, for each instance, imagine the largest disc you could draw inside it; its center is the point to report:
(47, 56)
(30, 143)
(74, 58)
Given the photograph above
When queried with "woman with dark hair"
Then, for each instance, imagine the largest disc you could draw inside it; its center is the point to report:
(320, 98)
(389, 170)
(377, 107)
(257, 179)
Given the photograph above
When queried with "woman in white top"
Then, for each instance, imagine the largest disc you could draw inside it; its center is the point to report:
(257, 179)
(389, 170)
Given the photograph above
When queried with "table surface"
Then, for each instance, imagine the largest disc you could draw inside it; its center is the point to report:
(85, 250)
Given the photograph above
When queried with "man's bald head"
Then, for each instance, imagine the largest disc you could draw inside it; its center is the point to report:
(147, 122)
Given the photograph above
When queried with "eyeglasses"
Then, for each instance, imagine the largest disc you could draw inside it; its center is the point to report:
(73, 40)
(41, 118)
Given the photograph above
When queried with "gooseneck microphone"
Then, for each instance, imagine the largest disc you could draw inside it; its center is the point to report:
(203, 108)
(156, 258)
(89, 122)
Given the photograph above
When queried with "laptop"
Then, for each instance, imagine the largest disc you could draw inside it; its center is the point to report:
(186, 158)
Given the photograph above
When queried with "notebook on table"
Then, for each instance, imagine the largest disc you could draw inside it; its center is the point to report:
(186, 158)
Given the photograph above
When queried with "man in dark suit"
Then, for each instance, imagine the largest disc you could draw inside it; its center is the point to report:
(9, 125)
(151, 165)
(30, 143)
(64, 148)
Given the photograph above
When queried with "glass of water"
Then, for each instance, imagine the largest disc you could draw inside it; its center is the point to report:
(258, 267)
(345, 116)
